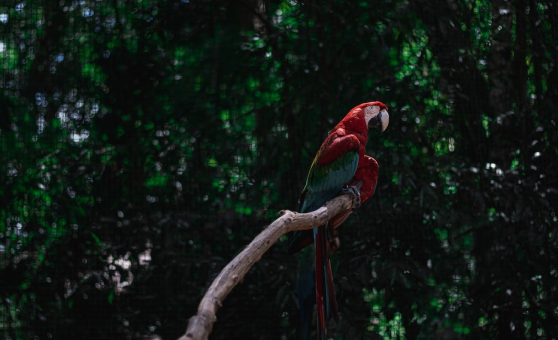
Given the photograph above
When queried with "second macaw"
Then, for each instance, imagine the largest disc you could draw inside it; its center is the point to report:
(340, 164)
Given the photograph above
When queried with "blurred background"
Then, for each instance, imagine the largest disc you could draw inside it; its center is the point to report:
(143, 144)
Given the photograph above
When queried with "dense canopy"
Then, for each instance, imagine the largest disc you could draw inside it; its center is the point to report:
(144, 143)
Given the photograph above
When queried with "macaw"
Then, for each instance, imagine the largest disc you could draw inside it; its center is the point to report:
(339, 166)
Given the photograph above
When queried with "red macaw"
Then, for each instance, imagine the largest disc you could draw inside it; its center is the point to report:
(339, 165)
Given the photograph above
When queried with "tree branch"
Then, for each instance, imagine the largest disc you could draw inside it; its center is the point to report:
(201, 324)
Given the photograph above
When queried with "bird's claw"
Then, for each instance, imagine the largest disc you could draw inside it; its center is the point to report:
(355, 192)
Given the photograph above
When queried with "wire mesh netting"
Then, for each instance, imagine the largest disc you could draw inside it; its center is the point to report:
(144, 143)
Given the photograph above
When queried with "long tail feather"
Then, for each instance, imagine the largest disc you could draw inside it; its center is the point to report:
(299, 239)
(333, 310)
(325, 292)
(321, 295)
(338, 219)
(306, 291)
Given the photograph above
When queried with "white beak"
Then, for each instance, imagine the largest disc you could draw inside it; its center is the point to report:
(383, 118)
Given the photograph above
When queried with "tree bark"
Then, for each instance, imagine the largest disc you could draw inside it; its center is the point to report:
(201, 324)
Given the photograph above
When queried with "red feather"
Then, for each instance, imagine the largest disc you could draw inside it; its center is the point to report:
(349, 135)
(336, 145)
(366, 177)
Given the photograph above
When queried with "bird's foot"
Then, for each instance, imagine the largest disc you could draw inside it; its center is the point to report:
(355, 192)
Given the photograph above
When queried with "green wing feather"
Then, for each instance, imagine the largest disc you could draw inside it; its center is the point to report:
(325, 181)
(322, 184)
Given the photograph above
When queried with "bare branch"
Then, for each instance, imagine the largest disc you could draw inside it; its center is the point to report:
(201, 324)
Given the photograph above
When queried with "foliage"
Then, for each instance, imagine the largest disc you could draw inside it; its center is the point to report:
(144, 143)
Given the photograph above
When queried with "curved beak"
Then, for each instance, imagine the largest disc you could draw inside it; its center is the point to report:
(381, 121)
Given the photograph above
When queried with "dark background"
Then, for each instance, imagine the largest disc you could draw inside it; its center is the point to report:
(143, 144)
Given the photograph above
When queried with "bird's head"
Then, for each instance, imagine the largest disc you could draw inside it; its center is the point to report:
(376, 115)
(366, 116)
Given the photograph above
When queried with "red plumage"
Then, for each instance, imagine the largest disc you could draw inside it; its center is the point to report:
(353, 124)
(339, 162)
(349, 134)
(366, 177)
